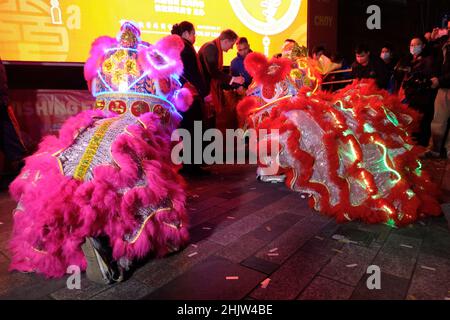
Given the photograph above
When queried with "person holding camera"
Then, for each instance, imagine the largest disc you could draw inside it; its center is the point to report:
(417, 70)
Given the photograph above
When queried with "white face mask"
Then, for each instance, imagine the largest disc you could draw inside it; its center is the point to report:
(385, 56)
(415, 50)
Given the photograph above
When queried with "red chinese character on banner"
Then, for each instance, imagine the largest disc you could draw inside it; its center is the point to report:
(99, 105)
(118, 106)
(138, 108)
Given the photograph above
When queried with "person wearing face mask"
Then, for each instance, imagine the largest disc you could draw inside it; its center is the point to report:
(387, 55)
(388, 58)
(418, 68)
(367, 66)
(211, 58)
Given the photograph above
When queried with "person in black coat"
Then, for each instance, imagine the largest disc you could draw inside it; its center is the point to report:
(367, 66)
(417, 69)
(193, 80)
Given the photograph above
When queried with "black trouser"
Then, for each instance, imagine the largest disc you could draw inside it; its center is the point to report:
(424, 104)
(189, 118)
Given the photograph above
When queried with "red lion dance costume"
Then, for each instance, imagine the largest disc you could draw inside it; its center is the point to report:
(351, 150)
(109, 172)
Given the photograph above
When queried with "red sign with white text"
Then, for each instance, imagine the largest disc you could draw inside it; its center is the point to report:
(42, 112)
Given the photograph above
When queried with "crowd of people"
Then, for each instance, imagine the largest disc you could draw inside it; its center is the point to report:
(420, 78)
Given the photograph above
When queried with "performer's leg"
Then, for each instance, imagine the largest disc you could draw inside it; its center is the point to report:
(440, 119)
(100, 267)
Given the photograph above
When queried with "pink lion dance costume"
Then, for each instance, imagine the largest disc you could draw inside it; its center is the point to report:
(351, 151)
(109, 171)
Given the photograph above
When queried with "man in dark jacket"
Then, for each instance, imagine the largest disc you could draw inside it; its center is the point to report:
(418, 68)
(442, 105)
(211, 58)
(367, 66)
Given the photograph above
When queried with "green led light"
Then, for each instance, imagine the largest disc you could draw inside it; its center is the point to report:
(350, 155)
(391, 223)
(391, 117)
(410, 193)
(347, 132)
(368, 128)
(385, 156)
(341, 106)
(408, 146)
(419, 169)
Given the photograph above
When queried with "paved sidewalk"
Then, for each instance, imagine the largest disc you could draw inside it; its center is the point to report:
(251, 240)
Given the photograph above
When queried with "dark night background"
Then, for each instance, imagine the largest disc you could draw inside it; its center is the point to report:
(400, 20)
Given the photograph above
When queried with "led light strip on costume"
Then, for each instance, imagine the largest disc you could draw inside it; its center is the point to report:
(91, 150)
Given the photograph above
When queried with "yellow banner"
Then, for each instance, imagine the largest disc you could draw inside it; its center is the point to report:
(62, 31)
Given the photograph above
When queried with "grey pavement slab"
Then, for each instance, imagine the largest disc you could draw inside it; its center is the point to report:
(215, 279)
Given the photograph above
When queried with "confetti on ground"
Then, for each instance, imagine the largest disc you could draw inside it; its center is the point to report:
(303, 196)
(194, 245)
(348, 241)
(406, 246)
(231, 217)
(351, 265)
(273, 250)
(319, 238)
(274, 254)
(265, 283)
(206, 228)
(268, 228)
(428, 268)
(232, 278)
(338, 251)
(447, 298)
(411, 297)
(193, 254)
(422, 223)
(338, 237)
(252, 188)
(343, 239)
(1, 223)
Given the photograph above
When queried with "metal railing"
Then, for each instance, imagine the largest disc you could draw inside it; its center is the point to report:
(337, 81)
